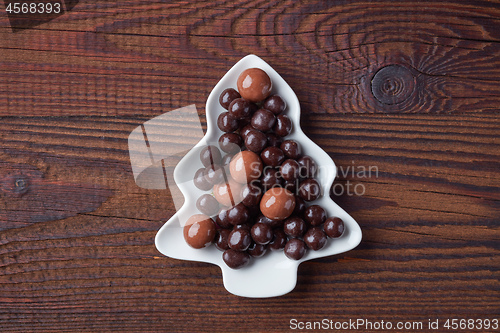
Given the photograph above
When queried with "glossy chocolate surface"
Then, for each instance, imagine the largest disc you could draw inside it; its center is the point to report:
(277, 203)
(254, 84)
(199, 231)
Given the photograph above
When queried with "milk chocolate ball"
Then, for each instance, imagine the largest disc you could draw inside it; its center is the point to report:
(199, 231)
(254, 84)
(245, 167)
(277, 203)
(228, 193)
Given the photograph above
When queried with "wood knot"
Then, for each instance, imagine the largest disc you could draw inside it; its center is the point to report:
(393, 84)
(15, 185)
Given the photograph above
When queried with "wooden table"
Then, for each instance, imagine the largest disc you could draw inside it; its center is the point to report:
(410, 89)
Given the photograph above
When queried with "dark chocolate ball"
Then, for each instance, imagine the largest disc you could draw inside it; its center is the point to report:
(272, 156)
(226, 159)
(262, 233)
(279, 240)
(310, 189)
(272, 223)
(308, 167)
(257, 250)
(275, 104)
(239, 239)
(274, 140)
(207, 204)
(245, 129)
(245, 121)
(263, 120)
(222, 219)
(251, 194)
(334, 227)
(214, 174)
(315, 215)
(255, 141)
(270, 178)
(291, 148)
(210, 155)
(292, 186)
(294, 227)
(221, 239)
(230, 142)
(283, 125)
(300, 206)
(315, 238)
(227, 96)
(238, 214)
(235, 259)
(227, 123)
(241, 108)
(295, 249)
(289, 170)
(200, 181)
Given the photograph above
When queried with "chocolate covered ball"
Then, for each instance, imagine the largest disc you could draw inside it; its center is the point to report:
(200, 181)
(315, 215)
(239, 239)
(310, 189)
(279, 240)
(235, 259)
(315, 238)
(334, 227)
(238, 214)
(308, 167)
(275, 104)
(291, 148)
(295, 249)
(250, 195)
(277, 203)
(210, 155)
(227, 123)
(262, 233)
(270, 178)
(214, 174)
(227, 96)
(199, 231)
(294, 227)
(254, 84)
(272, 156)
(255, 140)
(283, 125)
(241, 108)
(221, 239)
(257, 250)
(228, 193)
(245, 167)
(263, 120)
(207, 204)
(230, 142)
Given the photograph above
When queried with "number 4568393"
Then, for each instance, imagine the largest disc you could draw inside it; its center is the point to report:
(33, 8)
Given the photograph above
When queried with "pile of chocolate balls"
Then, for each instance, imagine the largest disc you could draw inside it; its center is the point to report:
(259, 183)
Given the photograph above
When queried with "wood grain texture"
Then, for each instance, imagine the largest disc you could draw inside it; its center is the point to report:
(142, 58)
(76, 233)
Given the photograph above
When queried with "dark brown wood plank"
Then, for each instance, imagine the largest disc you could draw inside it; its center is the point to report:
(404, 96)
(429, 220)
(149, 58)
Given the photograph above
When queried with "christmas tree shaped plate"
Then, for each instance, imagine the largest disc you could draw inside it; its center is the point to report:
(274, 273)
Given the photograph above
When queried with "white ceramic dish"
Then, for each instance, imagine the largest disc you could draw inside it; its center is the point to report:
(273, 274)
